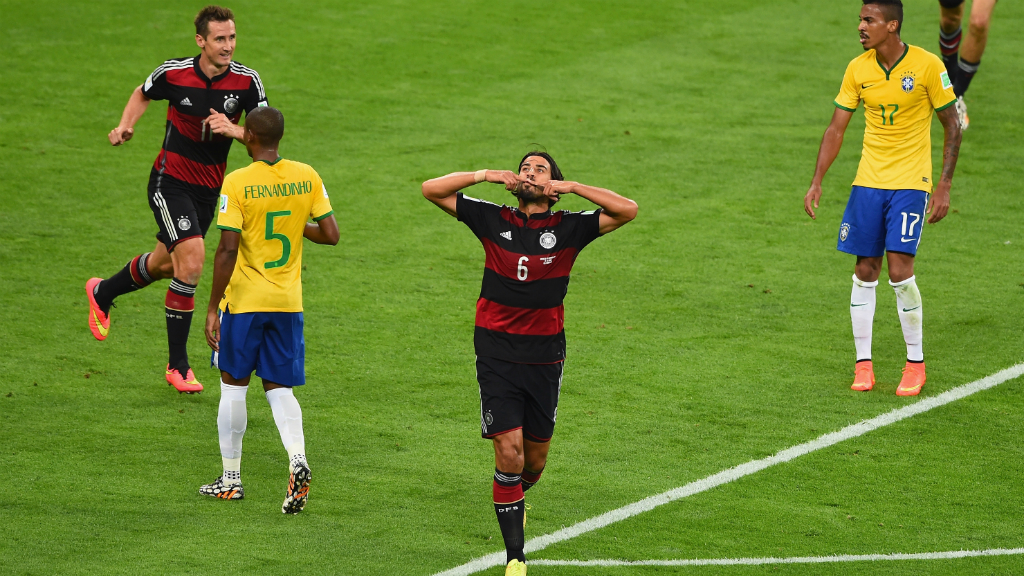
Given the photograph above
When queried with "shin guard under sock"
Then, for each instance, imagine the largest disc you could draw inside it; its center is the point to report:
(510, 508)
(530, 478)
(132, 277)
(179, 305)
(908, 305)
(862, 316)
(949, 45)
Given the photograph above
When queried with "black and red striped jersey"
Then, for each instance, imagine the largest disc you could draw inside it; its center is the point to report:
(519, 316)
(191, 152)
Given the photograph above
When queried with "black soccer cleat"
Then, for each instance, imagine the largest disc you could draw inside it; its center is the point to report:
(298, 489)
(217, 489)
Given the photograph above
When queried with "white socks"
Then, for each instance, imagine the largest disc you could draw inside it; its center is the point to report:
(288, 416)
(231, 423)
(862, 315)
(908, 304)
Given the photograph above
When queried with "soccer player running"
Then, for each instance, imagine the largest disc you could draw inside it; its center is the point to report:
(206, 96)
(900, 85)
(519, 339)
(963, 66)
(254, 319)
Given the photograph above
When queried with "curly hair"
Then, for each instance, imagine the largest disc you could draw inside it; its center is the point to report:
(556, 173)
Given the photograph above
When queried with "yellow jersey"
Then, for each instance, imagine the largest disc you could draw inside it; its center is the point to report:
(269, 205)
(898, 106)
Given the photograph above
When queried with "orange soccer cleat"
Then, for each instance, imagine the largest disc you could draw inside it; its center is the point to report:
(913, 379)
(864, 376)
(99, 323)
(186, 385)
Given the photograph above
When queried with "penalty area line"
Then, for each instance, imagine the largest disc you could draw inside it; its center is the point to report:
(951, 555)
(746, 469)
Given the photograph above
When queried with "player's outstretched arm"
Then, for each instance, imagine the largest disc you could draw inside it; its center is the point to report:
(831, 142)
(323, 232)
(133, 110)
(938, 204)
(441, 191)
(223, 266)
(616, 210)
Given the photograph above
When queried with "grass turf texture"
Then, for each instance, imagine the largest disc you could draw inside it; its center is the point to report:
(711, 331)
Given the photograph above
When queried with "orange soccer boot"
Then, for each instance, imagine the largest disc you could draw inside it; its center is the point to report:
(864, 376)
(99, 323)
(187, 384)
(913, 379)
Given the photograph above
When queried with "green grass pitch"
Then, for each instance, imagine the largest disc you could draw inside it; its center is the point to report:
(711, 331)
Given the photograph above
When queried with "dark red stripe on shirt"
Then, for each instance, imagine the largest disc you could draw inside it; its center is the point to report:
(511, 320)
(185, 77)
(177, 166)
(187, 125)
(508, 214)
(536, 266)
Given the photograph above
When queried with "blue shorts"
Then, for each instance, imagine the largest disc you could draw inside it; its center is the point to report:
(878, 221)
(269, 343)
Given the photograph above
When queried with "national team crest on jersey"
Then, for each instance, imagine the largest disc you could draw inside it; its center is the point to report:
(230, 104)
(907, 82)
(547, 240)
(184, 223)
(844, 231)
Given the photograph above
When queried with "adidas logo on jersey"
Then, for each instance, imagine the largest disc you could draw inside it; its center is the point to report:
(186, 102)
(506, 235)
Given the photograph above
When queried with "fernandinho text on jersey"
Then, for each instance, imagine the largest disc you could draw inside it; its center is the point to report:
(278, 190)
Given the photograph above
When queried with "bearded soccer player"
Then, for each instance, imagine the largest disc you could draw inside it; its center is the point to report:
(254, 319)
(206, 96)
(963, 65)
(519, 339)
(900, 85)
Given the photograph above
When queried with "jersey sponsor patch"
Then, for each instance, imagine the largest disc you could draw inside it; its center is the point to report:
(946, 84)
(324, 187)
(263, 103)
(223, 203)
(149, 83)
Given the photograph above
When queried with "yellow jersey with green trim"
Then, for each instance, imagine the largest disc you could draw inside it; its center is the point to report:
(898, 106)
(269, 204)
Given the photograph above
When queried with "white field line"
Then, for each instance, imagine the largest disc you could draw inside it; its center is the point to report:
(726, 476)
(798, 560)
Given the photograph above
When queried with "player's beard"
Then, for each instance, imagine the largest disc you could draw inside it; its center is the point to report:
(530, 193)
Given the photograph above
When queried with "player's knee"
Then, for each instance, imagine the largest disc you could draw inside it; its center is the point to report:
(510, 458)
(978, 27)
(162, 270)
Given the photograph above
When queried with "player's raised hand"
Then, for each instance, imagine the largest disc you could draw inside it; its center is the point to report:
(507, 177)
(811, 200)
(120, 135)
(213, 330)
(938, 204)
(220, 124)
(555, 188)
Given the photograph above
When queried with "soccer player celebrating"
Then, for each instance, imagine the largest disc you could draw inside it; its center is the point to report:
(519, 339)
(254, 319)
(206, 96)
(963, 66)
(900, 85)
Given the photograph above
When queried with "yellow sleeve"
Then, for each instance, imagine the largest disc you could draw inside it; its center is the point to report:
(849, 93)
(229, 216)
(321, 207)
(939, 86)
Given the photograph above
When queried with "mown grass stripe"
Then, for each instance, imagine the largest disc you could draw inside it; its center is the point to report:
(746, 469)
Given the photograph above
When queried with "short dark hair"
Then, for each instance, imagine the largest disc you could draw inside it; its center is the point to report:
(891, 9)
(267, 124)
(211, 14)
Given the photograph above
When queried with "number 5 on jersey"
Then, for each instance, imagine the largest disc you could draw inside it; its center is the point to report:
(286, 245)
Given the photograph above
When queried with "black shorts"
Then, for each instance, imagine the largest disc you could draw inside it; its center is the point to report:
(180, 212)
(950, 3)
(514, 396)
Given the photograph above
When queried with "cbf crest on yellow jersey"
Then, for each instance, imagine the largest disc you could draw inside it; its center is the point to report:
(898, 106)
(269, 205)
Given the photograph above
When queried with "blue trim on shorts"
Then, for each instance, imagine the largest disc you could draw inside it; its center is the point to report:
(878, 221)
(269, 343)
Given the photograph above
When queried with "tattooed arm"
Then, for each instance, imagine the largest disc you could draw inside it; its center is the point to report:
(938, 205)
